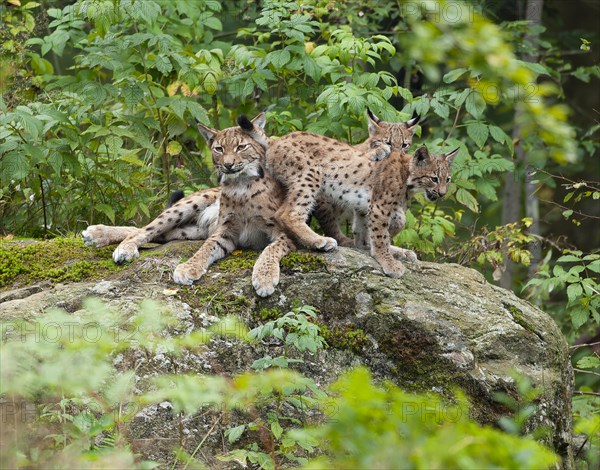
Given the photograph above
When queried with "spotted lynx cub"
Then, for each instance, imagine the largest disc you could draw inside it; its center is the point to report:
(191, 218)
(236, 214)
(249, 200)
(393, 182)
(319, 173)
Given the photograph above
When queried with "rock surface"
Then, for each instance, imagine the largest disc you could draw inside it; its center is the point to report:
(437, 328)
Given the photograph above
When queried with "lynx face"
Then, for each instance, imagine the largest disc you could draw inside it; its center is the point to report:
(238, 151)
(430, 173)
(390, 136)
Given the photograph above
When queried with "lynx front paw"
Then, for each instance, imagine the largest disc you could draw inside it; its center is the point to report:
(264, 284)
(125, 252)
(394, 269)
(96, 235)
(185, 274)
(381, 152)
(326, 244)
(404, 255)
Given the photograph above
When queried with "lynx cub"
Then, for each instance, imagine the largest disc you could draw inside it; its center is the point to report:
(249, 200)
(321, 172)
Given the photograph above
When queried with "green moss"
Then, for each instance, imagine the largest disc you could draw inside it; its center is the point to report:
(519, 319)
(302, 262)
(267, 314)
(58, 260)
(346, 337)
(238, 260)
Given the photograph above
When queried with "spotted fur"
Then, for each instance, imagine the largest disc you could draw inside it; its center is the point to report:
(328, 176)
(249, 199)
(394, 184)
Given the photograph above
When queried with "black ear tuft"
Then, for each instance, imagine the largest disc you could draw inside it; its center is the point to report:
(245, 123)
(413, 121)
(372, 116)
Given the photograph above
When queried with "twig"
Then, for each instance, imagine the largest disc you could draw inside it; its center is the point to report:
(202, 441)
(586, 371)
(578, 392)
(454, 123)
(587, 216)
(577, 346)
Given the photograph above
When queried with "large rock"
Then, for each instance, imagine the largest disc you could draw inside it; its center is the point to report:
(440, 327)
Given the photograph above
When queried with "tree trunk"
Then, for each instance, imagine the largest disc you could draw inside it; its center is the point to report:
(511, 210)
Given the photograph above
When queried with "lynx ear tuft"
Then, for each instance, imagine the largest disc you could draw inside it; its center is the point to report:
(413, 121)
(245, 123)
(372, 117)
(449, 156)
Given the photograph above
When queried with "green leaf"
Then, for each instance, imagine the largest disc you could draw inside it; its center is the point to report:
(13, 166)
(107, 210)
(213, 23)
(579, 317)
(312, 69)
(453, 75)
(276, 429)
(467, 199)
(55, 160)
(113, 144)
(475, 104)
(234, 434)
(163, 64)
(574, 291)
(279, 58)
(588, 362)
(174, 148)
(478, 132)
(498, 134)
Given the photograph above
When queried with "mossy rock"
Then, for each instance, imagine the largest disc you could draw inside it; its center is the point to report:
(440, 328)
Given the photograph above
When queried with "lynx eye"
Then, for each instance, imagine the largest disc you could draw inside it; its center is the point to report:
(241, 147)
(218, 149)
(405, 145)
(434, 179)
(388, 142)
(448, 179)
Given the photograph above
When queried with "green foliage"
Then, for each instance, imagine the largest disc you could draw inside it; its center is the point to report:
(384, 427)
(575, 275)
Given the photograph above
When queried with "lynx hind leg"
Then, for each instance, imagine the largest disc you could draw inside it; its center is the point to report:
(265, 274)
(104, 235)
(182, 212)
(296, 209)
(360, 230)
(215, 247)
(329, 217)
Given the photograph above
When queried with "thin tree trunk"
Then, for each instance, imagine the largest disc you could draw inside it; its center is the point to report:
(511, 210)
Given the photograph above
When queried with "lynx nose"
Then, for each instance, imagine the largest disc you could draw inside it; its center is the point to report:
(228, 166)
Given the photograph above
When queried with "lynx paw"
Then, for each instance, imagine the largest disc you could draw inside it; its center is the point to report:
(326, 244)
(185, 274)
(264, 285)
(380, 152)
(96, 235)
(394, 269)
(125, 252)
(404, 255)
